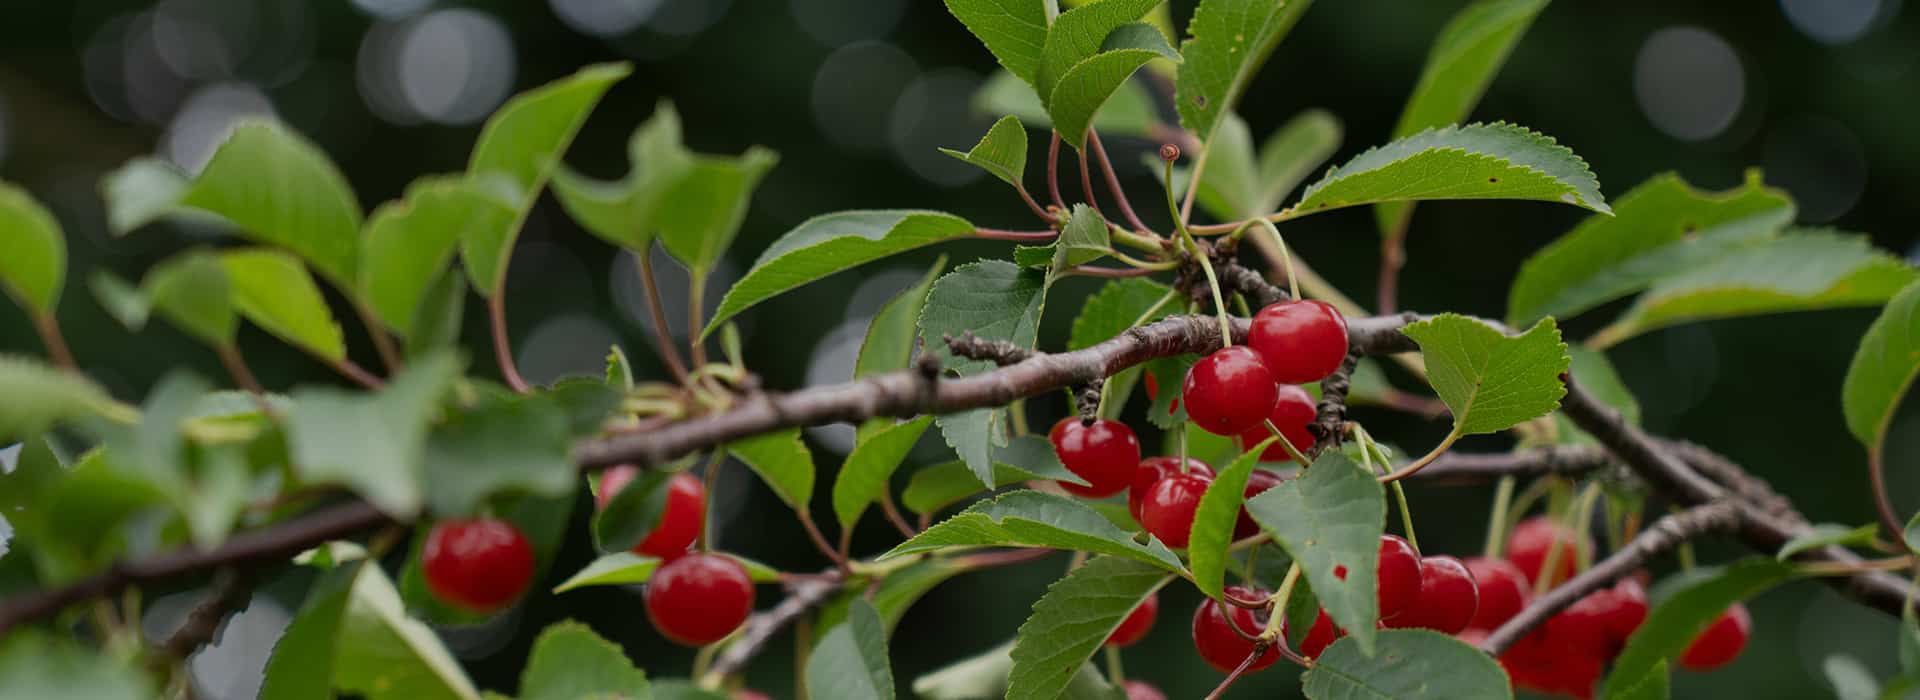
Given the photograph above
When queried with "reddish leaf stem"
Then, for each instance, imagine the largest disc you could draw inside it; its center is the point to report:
(1113, 181)
(502, 347)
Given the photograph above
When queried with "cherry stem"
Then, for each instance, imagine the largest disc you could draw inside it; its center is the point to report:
(49, 328)
(1086, 183)
(1393, 257)
(712, 478)
(1423, 461)
(1851, 568)
(1259, 648)
(1108, 272)
(1497, 519)
(1053, 172)
(1193, 184)
(502, 348)
(1113, 181)
(1213, 285)
(1368, 451)
(1116, 675)
(696, 313)
(1877, 474)
(662, 336)
(1294, 452)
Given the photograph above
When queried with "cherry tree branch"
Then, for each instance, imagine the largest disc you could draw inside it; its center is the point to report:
(1470, 467)
(802, 596)
(229, 590)
(1660, 537)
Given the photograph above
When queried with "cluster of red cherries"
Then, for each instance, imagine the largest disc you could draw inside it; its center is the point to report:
(695, 598)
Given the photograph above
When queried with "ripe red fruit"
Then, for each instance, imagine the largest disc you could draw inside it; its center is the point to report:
(1292, 413)
(1221, 647)
(1528, 546)
(1104, 453)
(1151, 471)
(1320, 636)
(1229, 392)
(1399, 576)
(1168, 509)
(1142, 690)
(680, 523)
(1720, 642)
(481, 564)
(1534, 663)
(1301, 341)
(1137, 624)
(1503, 591)
(699, 599)
(1257, 483)
(1599, 624)
(1448, 597)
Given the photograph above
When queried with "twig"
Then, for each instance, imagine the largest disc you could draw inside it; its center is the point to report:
(503, 348)
(1469, 467)
(1330, 416)
(1113, 181)
(1657, 539)
(802, 596)
(229, 591)
(662, 336)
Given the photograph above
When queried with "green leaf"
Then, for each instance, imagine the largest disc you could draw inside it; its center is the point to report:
(1110, 312)
(374, 444)
(851, 660)
(1800, 271)
(1661, 228)
(1084, 239)
(40, 395)
(1214, 519)
(519, 147)
(1034, 519)
(1292, 153)
(34, 666)
(436, 323)
(833, 243)
(1078, 35)
(570, 662)
(891, 336)
(1477, 161)
(1675, 621)
(1128, 112)
(1653, 686)
(984, 677)
(1229, 184)
(1883, 369)
(1491, 381)
(622, 568)
(302, 662)
(682, 690)
(121, 300)
(1014, 30)
(701, 213)
(514, 444)
(1169, 373)
(624, 212)
(1912, 534)
(587, 403)
(1238, 183)
(934, 488)
(282, 190)
(1463, 61)
(1073, 619)
(410, 242)
(782, 461)
(192, 291)
(273, 290)
(34, 268)
(1330, 520)
(897, 592)
(1229, 40)
(1002, 152)
(1410, 664)
(384, 654)
(1851, 679)
(633, 513)
(1085, 87)
(142, 191)
(994, 300)
(869, 469)
(1825, 534)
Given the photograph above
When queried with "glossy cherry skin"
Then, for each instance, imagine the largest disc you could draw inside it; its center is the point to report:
(1151, 471)
(1720, 642)
(1599, 624)
(1219, 646)
(1301, 341)
(1292, 413)
(680, 524)
(1229, 392)
(1399, 576)
(1258, 481)
(1142, 690)
(1168, 509)
(1448, 597)
(699, 598)
(1532, 538)
(481, 565)
(1104, 453)
(1137, 624)
(1503, 589)
(1534, 663)
(1320, 636)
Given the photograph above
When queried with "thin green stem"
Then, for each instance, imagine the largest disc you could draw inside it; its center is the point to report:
(712, 477)
(1280, 439)
(696, 311)
(1423, 461)
(1213, 285)
(1368, 450)
(1142, 264)
(1136, 241)
(1582, 520)
(1116, 675)
(1497, 520)
(662, 336)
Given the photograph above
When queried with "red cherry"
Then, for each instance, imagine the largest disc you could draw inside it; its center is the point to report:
(1599, 624)
(1448, 597)
(1534, 663)
(481, 565)
(1151, 471)
(1301, 341)
(1168, 509)
(699, 599)
(1320, 636)
(1632, 610)
(1229, 392)
(680, 524)
(1720, 642)
(1104, 453)
(1291, 414)
(1531, 540)
(1503, 591)
(1142, 690)
(1137, 624)
(1221, 647)
(1257, 483)
(1399, 576)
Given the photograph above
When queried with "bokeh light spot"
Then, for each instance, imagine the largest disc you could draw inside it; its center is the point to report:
(604, 18)
(853, 90)
(1831, 21)
(392, 9)
(837, 22)
(566, 346)
(1820, 162)
(1689, 82)
(935, 111)
(206, 119)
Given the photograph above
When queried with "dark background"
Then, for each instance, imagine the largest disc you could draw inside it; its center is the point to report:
(854, 94)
